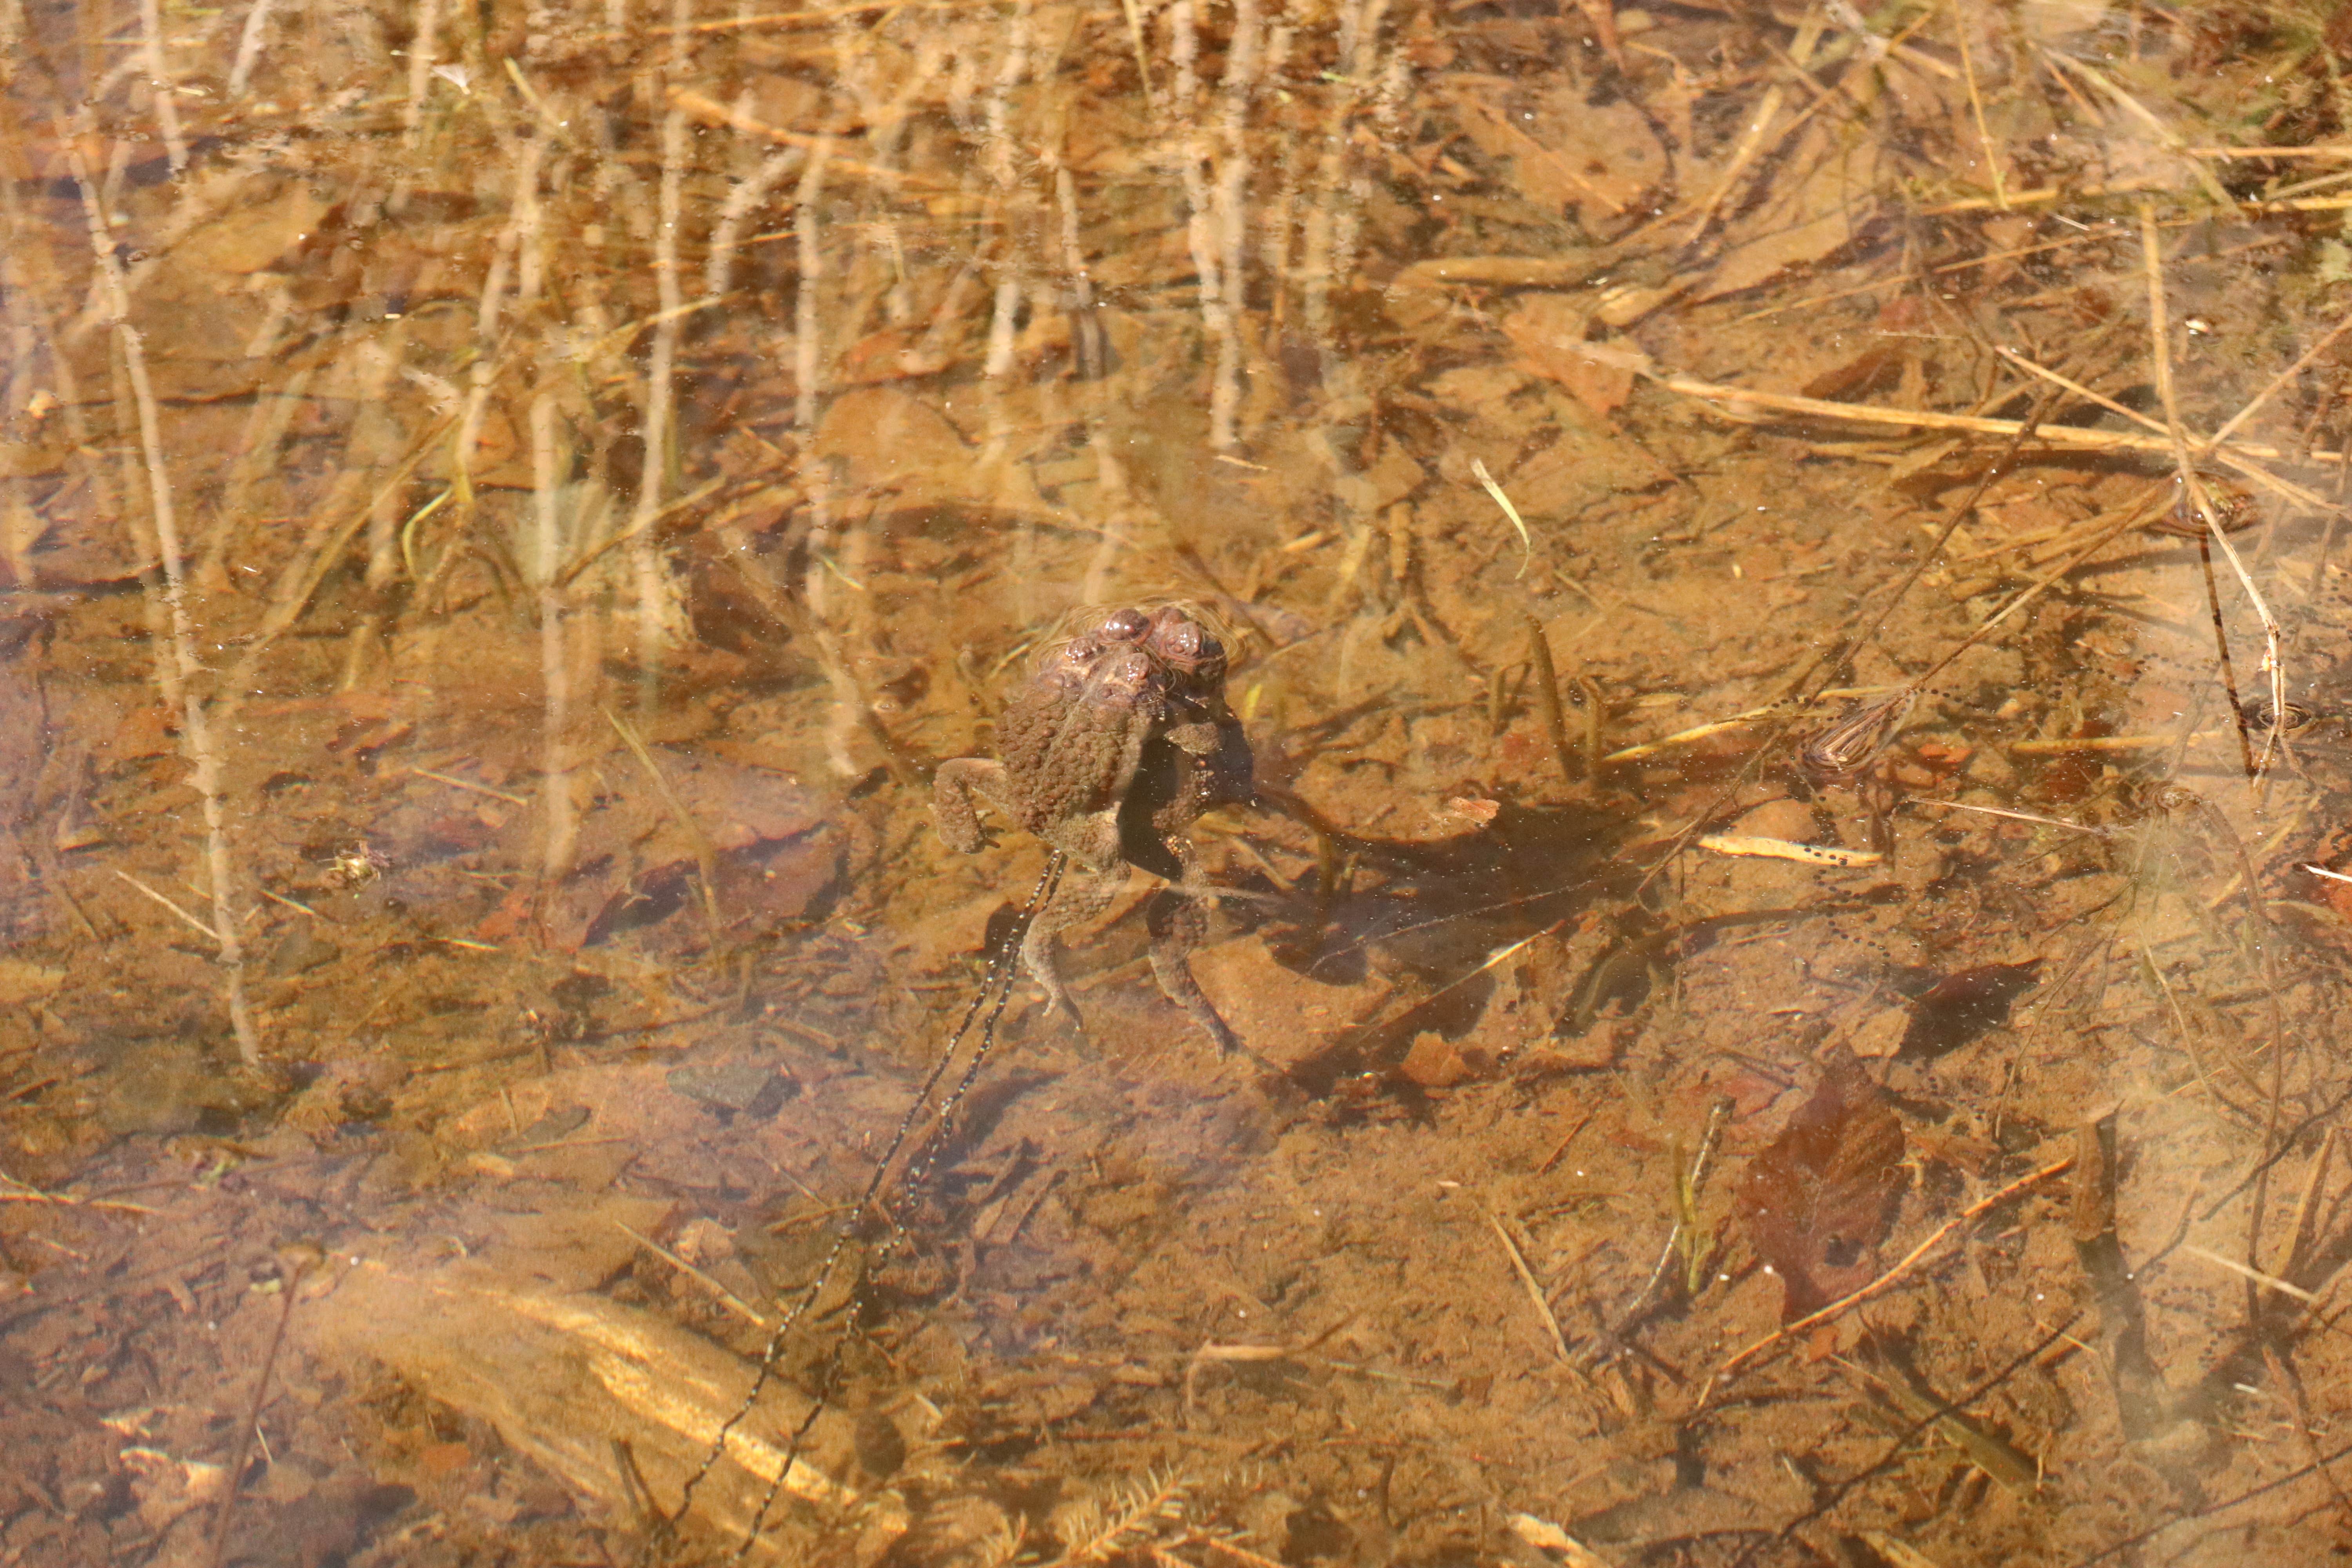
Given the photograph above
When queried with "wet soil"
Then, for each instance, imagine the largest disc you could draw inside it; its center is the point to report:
(1789, 938)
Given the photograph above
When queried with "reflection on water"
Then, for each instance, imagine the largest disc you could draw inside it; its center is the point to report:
(1784, 591)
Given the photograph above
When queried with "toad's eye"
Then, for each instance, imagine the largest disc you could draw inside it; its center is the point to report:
(1123, 626)
(1187, 645)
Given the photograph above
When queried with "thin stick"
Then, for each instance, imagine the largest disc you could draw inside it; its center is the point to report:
(2208, 445)
(455, 782)
(2042, 196)
(1142, 55)
(1892, 279)
(2237, 455)
(1230, 195)
(2334, 150)
(2021, 816)
(2141, 112)
(711, 111)
(421, 49)
(1960, 515)
(248, 48)
(727, 1298)
(16, 1192)
(302, 1261)
(1750, 143)
(789, 19)
(655, 607)
(1715, 1117)
(1208, 259)
(2221, 650)
(159, 84)
(706, 853)
(2130, 519)
(2252, 1275)
(999, 972)
(558, 826)
(743, 200)
(999, 976)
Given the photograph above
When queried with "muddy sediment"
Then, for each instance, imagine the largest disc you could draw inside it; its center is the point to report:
(1785, 590)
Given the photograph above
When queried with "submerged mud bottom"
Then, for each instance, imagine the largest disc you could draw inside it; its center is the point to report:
(1767, 817)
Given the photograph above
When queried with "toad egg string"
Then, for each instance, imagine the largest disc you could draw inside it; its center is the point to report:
(996, 979)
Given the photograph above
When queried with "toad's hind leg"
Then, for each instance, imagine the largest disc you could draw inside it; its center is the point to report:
(1082, 895)
(1177, 922)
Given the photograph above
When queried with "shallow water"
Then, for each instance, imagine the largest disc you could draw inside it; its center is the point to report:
(1784, 975)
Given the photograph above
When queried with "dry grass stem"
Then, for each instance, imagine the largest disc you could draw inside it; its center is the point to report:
(2193, 486)
(1961, 17)
(184, 668)
(1533, 1289)
(248, 47)
(2064, 436)
(2254, 404)
(2255, 1276)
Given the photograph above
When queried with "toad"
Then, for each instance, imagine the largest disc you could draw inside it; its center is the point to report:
(1119, 743)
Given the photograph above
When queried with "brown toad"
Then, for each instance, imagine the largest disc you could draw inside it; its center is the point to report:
(1120, 741)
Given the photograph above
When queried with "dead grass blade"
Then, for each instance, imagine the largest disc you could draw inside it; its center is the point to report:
(2152, 254)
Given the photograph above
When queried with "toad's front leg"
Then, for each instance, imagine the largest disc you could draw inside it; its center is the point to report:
(953, 789)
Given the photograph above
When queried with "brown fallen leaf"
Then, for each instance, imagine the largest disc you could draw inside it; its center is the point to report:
(1577, 469)
(1548, 332)
(1822, 197)
(1599, 159)
(1964, 1005)
(1818, 1199)
(1436, 1062)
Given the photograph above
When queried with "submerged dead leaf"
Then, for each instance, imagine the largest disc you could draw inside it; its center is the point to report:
(1599, 159)
(1964, 1005)
(247, 239)
(1548, 332)
(1817, 1201)
(1820, 202)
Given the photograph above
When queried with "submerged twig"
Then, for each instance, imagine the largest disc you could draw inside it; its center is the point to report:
(706, 852)
(296, 1263)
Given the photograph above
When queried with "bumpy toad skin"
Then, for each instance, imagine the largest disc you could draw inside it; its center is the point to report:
(1118, 744)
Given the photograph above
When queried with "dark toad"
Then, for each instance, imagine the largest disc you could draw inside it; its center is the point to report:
(1117, 745)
